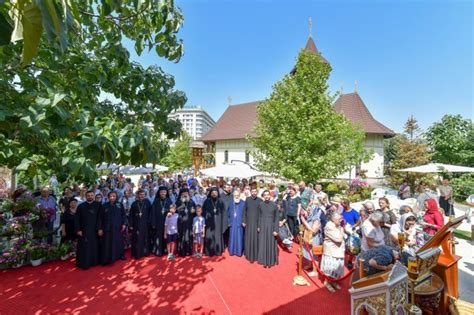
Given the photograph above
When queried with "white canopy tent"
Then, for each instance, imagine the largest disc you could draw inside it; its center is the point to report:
(238, 170)
(130, 169)
(437, 168)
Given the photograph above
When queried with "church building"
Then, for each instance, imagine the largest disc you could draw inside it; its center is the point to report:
(228, 137)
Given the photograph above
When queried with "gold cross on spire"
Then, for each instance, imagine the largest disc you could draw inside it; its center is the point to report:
(310, 24)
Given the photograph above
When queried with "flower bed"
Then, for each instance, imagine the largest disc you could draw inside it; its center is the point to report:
(23, 234)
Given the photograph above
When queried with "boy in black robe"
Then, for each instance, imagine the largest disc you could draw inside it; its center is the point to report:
(250, 224)
(139, 221)
(86, 230)
(111, 223)
(186, 211)
(159, 211)
(215, 215)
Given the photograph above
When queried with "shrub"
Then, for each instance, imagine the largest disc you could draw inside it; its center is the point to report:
(463, 186)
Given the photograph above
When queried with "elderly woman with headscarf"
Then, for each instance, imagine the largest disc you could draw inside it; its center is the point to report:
(215, 214)
(406, 225)
(433, 219)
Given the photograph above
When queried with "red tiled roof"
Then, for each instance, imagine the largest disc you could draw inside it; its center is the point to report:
(311, 46)
(352, 106)
(236, 122)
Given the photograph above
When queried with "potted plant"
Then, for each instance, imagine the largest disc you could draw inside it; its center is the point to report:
(37, 254)
(65, 250)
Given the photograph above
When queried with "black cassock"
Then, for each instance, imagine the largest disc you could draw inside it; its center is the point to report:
(159, 211)
(185, 227)
(215, 214)
(139, 221)
(87, 244)
(227, 199)
(251, 234)
(111, 219)
(267, 243)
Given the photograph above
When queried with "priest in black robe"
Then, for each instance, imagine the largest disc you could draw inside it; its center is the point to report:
(227, 199)
(159, 211)
(112, 222)
(267, 228)
(140, 219)
(250, 223)
(185, 208)
(215, 214)
(86, 230)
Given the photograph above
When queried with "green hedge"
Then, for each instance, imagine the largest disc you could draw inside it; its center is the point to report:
(463, 186)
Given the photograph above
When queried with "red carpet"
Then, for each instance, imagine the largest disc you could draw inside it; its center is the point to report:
(219, 285)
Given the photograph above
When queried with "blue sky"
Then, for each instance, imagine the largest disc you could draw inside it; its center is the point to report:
(408, 57)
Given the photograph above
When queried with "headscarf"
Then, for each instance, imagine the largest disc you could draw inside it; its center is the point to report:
(432, 206)
(403, 220)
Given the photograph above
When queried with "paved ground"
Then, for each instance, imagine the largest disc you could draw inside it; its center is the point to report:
(466, 265)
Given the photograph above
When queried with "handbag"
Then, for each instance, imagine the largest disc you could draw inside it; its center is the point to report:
(317, 250)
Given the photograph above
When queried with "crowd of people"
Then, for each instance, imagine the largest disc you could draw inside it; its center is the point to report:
(185, 216)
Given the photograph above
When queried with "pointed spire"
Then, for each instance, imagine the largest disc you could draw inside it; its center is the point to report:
(341, 90)
(229, 99)
(310, 24)
(355, 86)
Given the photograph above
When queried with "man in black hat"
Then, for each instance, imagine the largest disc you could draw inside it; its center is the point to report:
(159, 211)
(215, 214)
(185, 208)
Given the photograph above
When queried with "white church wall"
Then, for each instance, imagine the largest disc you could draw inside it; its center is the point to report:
(236, 150)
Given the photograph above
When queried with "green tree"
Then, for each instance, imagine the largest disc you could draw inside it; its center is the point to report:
(411, 128)
(451, 140)
(298, 134)
(77, 105)
(407, 150)
(180, 156)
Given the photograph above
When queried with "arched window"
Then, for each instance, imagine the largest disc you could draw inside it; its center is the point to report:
(226, 156)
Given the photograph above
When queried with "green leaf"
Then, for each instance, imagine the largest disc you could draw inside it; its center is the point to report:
(6, 30)
(32, 30)
(24, 164)
(57, 98)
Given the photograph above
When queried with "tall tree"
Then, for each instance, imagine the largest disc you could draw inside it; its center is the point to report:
(298, 134)
(411, 128)
(451, 140)
(67, 108)
(407, 150)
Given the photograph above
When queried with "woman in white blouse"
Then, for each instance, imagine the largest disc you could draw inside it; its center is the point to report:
(372, 234)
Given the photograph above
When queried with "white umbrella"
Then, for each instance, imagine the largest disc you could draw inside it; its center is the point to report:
(231, 170)
(107, 166)
(438, 167)
(157, 168)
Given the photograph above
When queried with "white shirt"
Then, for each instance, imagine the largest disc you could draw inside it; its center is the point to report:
(375, 233)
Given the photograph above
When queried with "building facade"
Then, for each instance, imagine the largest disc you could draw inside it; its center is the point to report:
(194, 120)
(229, 135)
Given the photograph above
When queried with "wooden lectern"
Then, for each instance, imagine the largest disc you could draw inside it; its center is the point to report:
(447, 268)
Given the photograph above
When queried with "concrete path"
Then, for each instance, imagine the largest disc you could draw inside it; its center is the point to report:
(465, 249)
